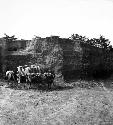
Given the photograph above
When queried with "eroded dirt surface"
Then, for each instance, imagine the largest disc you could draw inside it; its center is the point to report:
(77, 106)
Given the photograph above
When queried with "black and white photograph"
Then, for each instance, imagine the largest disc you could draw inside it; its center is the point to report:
(56, 62)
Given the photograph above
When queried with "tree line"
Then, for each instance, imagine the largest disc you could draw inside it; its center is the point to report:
(100, 42)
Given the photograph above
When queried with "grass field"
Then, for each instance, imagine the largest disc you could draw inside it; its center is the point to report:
(64, 106)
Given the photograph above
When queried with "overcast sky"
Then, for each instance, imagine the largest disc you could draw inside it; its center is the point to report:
(26, 18)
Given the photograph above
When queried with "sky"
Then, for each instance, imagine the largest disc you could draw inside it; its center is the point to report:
(26, 18)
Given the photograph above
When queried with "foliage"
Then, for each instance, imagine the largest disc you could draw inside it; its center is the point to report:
(100, 42)
(9, 38)
(78, 37)
(99, 61)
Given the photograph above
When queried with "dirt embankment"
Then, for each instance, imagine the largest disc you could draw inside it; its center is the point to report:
(64, 107)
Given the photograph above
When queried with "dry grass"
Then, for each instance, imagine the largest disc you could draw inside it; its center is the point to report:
(77, 106)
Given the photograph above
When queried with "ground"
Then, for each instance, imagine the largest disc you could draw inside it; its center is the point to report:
(64, 106)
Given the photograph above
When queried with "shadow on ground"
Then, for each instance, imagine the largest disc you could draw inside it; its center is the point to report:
(42, 88)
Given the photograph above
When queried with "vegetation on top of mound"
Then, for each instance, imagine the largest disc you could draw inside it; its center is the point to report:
(100, 42)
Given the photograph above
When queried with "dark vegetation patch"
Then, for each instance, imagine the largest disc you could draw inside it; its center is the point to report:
(13, 61)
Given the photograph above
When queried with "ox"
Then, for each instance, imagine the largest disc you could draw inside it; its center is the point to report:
(11, 76)
(33, 75)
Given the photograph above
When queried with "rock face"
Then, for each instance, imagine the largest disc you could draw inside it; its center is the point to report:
(68, 58)
(48, 52)
(62, 55)
(72, 59)
(10, 59)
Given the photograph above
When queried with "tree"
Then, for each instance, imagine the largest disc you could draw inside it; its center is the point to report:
(100, 42)
(78, 37)
(105, 43)
(9, 38)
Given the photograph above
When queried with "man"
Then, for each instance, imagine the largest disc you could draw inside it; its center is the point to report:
(27, 71)
(33, 68)
(38, 69)
(49, 78)
(39, 79)
(20, 74)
